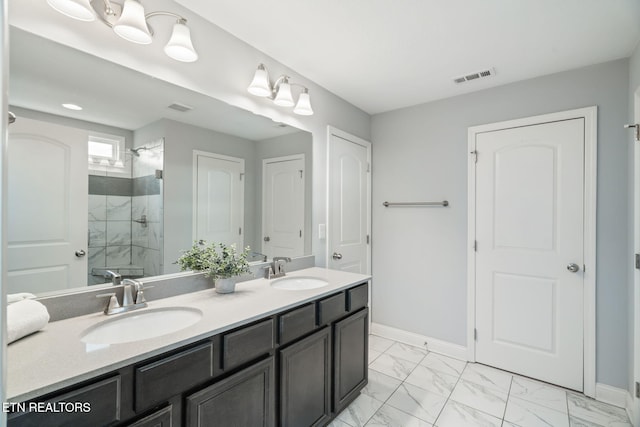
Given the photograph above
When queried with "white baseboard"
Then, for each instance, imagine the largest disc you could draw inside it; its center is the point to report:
(612, 395)
(432, 344)
(635, 418)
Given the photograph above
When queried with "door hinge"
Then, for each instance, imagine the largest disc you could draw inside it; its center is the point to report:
(241, 176)
(300, 170)
(475, 246)
(300, 233)
(474, 153)
(368, 239)
(475, 334)
(638, 261)
(637, 390)
(368, 167)
(240, 231)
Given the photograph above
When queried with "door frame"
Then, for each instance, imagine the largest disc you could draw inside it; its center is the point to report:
(634, 406)
(332, 131)
(590, 116)
(299, 156)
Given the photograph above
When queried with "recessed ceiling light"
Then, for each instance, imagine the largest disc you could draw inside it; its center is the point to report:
(72, 107)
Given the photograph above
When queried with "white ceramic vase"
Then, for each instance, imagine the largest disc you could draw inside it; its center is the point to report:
(226, 285)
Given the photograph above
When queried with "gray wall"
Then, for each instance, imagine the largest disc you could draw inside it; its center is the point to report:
(286, 145)
(420, 153)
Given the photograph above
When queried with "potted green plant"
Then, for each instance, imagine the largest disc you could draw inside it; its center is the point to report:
(218, 261)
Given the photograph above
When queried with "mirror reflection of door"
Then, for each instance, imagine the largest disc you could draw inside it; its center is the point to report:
(47, 210)
(283, 206)
(218, 198)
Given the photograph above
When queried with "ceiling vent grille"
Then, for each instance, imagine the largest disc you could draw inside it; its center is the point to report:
(475, 76)
(180, 107)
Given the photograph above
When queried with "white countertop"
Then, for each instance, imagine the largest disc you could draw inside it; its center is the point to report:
(55, 357)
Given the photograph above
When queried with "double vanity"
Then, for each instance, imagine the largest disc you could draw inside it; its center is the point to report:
(288, 352)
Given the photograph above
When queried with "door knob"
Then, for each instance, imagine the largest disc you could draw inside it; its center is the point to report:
(337, 256)
(80, 253)
(267, 238)
(573, 268)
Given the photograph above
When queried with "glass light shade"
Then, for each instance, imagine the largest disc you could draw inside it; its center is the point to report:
(260, 84)
(76, 9)
(283, 97)
(180, 46)
(303, 107)
(132, 25)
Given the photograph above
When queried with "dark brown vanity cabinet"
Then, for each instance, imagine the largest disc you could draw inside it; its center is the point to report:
(296, 368)
(244, 399)
(305, 381)
(350, 355)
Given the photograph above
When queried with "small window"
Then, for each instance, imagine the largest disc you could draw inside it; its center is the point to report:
(106, 150)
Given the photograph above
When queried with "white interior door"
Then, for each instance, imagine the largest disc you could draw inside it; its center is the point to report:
(47, 211)
(349, 204)
(530, 250)
(283, 206)
(218, 198)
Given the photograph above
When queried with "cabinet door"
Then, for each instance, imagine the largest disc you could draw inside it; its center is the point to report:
(305, 381)
(245, 399)
(161, 418)
(350, 354)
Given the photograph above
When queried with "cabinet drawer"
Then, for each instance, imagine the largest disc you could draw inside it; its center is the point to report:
(330, 309)
(357, 297)
(92, 405)
(247, 343)
(167, 377)
(296, 323)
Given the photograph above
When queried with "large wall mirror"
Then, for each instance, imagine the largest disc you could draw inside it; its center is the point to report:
(143, 170)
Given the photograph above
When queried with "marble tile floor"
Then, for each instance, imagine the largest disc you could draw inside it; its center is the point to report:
(411, 387)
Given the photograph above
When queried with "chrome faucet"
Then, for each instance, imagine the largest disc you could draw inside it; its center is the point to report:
(276, 269)
(116, 278)
(129, 302)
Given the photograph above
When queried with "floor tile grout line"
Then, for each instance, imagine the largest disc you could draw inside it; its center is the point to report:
(506, 403)
(450, 393)
(396, 389)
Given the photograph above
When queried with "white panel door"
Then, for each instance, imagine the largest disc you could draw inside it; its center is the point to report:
(219, 199)
(529, 233)
(349, 205)
(47, 206)
(283, 206)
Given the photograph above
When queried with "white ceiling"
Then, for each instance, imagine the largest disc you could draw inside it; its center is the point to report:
(382, 55)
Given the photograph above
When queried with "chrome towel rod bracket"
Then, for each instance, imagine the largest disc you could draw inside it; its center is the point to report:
(443, 203)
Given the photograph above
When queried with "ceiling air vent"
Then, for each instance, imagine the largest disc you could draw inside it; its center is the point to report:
(180, 107)
(475, 76)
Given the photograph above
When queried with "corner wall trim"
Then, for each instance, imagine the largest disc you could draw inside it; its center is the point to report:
(432, 344)
(630, 407)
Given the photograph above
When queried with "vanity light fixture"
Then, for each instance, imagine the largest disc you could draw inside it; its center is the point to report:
(129, 21)
(280, 92)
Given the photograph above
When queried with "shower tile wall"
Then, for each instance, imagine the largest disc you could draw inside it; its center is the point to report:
(109, 225)
(147, 247)
(118, 239)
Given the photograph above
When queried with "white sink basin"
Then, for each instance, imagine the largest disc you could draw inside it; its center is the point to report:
(136, 326)
(299, 283)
